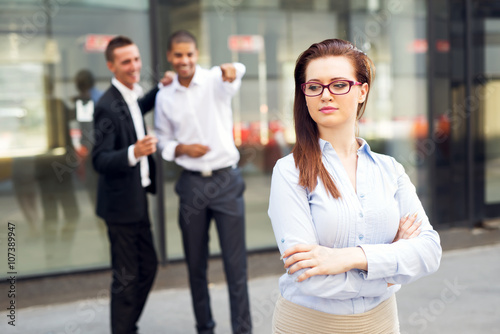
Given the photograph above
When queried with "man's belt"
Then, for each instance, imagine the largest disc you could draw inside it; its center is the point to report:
(209, 173)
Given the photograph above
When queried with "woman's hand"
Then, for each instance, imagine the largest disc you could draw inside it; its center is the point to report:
(408, 228)
(323, 260)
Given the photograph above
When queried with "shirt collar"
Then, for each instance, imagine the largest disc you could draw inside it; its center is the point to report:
(198, 79)
(130, 95)
(364, 147)
(322, 144)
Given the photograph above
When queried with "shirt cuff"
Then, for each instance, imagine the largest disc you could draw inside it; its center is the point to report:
(168, 152)
(382, 261)
(373, 288)
(240, 70)
(132, 161)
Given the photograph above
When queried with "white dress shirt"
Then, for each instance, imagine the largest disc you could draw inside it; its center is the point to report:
(367, 216)
(199, 114)
(130, 96)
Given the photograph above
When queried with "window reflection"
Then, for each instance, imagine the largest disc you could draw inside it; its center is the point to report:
(51, 72)
(395, 122)
(491, 117)
(23, 125)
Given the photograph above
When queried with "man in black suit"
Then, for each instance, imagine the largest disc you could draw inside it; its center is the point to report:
(122, 158)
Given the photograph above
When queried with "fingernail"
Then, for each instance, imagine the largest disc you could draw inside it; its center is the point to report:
(406, 216)
(420, 221)
(415, 214)
(281, 257)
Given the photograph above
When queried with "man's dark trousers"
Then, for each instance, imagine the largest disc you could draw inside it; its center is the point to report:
(219, 196)
(134, 265)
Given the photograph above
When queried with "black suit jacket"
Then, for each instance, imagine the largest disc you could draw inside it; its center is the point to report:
(120, 195)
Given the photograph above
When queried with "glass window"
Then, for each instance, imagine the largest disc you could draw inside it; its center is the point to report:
(392, 33)
(491, 115)
(52, 71)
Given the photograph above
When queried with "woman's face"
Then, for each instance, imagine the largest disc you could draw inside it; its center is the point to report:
(331, 111)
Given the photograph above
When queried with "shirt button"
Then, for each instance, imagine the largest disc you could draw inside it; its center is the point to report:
(361, 237)
(282, 240)
(362, 195)
(361, 214)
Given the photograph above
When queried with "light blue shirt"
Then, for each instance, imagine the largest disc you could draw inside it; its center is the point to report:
(368, 218)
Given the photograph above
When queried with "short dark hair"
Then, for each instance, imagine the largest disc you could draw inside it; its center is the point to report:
(181, 36)
(115, 43)
(84, 80)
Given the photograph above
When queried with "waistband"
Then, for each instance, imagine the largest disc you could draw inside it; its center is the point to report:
(289, 317)
(209, 173)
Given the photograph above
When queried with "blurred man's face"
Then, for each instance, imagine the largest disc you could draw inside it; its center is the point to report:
(126, 65)
(183, 57)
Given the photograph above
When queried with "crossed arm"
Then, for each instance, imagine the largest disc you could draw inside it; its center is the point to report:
(321, 260)
(365, 270)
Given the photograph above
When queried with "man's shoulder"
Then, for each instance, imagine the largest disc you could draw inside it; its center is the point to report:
(166, 93)
(111, 94)
(110, 102)
(168, 89)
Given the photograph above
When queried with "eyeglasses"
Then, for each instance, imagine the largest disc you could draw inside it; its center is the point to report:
(336, 87)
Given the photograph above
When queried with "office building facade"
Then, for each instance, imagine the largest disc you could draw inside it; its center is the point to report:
(432, 107)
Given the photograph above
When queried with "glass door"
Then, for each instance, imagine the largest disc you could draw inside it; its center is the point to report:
(447, 139)
(486, 86)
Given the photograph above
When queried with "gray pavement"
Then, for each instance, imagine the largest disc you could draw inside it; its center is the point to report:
(462, 297)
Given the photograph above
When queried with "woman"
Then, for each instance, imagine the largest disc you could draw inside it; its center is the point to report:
(347, 221)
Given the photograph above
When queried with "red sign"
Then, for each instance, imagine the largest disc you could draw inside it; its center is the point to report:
(97, 43)
(418, 46)
(245, 43)
(443, 45)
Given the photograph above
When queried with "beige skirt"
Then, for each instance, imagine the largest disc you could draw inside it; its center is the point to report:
(290, 318)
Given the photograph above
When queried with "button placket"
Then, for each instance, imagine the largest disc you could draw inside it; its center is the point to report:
(361, 215)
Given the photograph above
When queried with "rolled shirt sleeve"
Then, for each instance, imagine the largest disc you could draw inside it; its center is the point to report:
(132, 160)
(164, 129)
(230, 88)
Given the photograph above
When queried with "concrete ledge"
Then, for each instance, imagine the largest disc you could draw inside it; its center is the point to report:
(71, 287)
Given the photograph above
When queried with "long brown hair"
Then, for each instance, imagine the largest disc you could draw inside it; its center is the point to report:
(307, 152)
